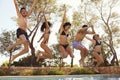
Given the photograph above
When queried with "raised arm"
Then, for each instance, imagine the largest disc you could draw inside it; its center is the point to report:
(84, 29)
(89, 38)
(91, 32)
(46, 22)
(17, 9)
(92, 40)
(31, 9)
(63, 20)
(40, 38)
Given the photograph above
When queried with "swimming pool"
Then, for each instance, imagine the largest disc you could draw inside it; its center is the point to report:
(63, 77)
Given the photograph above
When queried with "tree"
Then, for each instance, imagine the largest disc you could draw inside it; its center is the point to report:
(101, 14)
(110, 23)
(7, 38)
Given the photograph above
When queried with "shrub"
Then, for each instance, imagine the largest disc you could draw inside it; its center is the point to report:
(55, 72)
(26, 72)
(81, 71)
(2, 73)
(15, 73)
(39, 72)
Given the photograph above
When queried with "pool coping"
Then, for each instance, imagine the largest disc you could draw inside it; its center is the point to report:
(94, 75)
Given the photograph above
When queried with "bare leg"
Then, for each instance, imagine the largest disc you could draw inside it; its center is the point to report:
(64, 54)
(82, 58)
(70, 52)
(85, 52)
(82, 53)
(99, 60)
(21, 41)
(25, 50)
(46, 54)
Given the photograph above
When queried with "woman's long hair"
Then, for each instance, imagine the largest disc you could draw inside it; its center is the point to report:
(44, 26)
(66, 24)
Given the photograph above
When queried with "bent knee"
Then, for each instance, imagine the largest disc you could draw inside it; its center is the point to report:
(25, 41)
(42, 44)
(101, 62)
(50, 54)
(64, 56)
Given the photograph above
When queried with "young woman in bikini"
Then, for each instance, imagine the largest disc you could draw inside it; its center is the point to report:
(45, 37)
(97, 50)
(64, 46)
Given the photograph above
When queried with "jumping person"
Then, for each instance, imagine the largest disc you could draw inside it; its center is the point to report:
(21, 31)
(64, 46)
(78, 39)
(45, 37)
(97, 50)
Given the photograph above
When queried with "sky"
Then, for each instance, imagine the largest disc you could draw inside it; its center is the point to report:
(7, 9)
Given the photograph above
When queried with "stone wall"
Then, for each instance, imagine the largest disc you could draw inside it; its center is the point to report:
(103, 70)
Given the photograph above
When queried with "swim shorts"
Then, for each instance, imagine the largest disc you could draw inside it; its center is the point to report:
(21, 32)
(76, 44)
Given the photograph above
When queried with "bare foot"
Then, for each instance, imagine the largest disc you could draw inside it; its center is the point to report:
(38, 55)
(81, 63)
(39, 52)
(96, 71)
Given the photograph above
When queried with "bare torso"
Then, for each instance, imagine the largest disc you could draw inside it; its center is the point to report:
(97, 48)
(80, 36)
(22, 22)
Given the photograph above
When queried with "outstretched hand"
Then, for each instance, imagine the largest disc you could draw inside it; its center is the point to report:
(41, 10)
(91, 25)
(38, 41)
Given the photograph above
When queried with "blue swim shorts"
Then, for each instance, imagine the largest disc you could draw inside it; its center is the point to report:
(75, 44)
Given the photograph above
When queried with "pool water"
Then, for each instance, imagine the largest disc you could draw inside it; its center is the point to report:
(63, 77)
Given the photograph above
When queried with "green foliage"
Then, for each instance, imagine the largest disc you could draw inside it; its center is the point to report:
(81, 71)
(2, 73)
(26, 72)
(5, 64)
(39, 72)
(14, 73)
(25, 61)
(55, 72)
(75, 66)
(7, 38)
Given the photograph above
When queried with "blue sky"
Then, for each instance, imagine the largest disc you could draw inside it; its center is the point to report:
(7, 11)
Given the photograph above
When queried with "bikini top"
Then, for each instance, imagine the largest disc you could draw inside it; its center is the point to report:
(98, 43)
(63, 33)
(48, 32)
